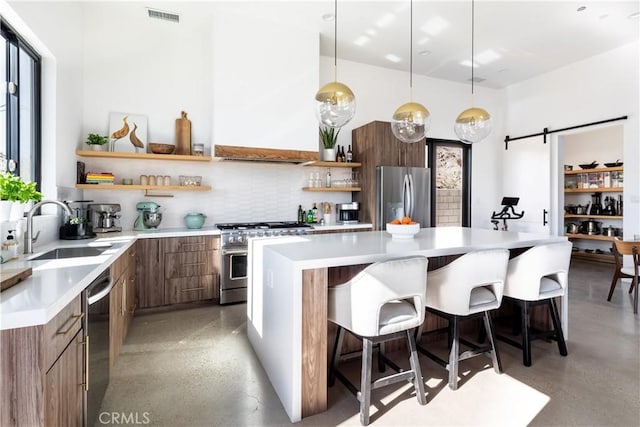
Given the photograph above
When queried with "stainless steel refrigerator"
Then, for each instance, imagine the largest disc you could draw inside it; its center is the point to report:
(403, 191)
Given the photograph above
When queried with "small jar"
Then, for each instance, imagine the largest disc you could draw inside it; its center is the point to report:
(167, 180)
(144, 180)
(160, 180)
(198, 149)
(152, 180)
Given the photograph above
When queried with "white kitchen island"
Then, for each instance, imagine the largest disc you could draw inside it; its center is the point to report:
(287, 296)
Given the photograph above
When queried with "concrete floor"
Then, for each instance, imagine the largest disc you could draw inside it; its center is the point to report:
(195, 367)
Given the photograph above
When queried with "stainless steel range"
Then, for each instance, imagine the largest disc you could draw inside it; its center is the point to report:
(234, 249)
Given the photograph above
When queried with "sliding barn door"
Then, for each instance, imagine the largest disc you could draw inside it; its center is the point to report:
(527, 175)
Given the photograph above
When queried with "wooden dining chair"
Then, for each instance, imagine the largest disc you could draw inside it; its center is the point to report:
(621, 248)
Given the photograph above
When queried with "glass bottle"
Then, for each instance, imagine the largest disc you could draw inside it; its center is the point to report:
(327, 179)
(349, 155)
(338, 155)
(300, 214)
(343, 157)
(314, 212)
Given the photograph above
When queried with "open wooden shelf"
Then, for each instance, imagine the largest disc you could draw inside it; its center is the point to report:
(144, 187)
(579, 171)
(591, 237)
(595, 190)
(593, 216)
(148, 156)
(330, 189)
(324, 164)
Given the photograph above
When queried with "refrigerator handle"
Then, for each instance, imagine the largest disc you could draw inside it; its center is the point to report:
(406, 195)
(412, 195)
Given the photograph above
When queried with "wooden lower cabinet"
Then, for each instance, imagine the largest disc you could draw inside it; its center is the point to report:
(42, 372)
(150, 272)
(177, 269)
(64, 387)
(122, 302)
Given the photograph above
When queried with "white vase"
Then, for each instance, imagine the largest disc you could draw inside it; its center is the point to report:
(5, 210)
(17, 211)
(96, 147)
(329, 154)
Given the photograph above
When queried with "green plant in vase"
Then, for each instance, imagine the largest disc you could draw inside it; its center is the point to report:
(329, 138)
(96, 141)
(14, 193)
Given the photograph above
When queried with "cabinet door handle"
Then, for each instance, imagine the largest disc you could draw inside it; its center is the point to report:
(124, 297)
(76, 319)
(544, 217)
(192, 289)
(86, 362)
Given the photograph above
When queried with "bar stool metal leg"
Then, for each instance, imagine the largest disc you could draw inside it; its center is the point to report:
(365, 382)
(415, 367)
(526, 334)
(555, 318)
(495, 356)
(454, 353)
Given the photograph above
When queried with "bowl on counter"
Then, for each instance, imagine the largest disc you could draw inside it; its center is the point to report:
(194, 220)
(615, 164)
(161, 148)
(403, 231)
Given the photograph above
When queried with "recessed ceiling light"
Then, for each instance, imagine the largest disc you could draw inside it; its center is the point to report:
(634, 15)
(423, 40)
(371, 32)
(435, 25)
(467, 63)
(487, 57)
(385, 20)
(605, 16)
(393, 58)
(424, 52)
(361, 41)
(328, 17)
(581, 8)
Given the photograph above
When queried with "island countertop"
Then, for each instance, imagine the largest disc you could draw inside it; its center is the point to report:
(288, 287)
(332, 250)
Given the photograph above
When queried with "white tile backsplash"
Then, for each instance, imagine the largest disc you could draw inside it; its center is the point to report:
(241, 191)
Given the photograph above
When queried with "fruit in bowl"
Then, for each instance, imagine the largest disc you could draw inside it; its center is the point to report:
(404, 228)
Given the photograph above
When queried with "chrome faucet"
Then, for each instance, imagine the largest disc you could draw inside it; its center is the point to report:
(29, 239)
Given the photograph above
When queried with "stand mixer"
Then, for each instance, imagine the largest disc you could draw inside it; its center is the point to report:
(149, 216)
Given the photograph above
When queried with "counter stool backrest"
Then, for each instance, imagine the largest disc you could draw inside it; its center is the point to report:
(526, 271)
(362, 297)
(482, 268)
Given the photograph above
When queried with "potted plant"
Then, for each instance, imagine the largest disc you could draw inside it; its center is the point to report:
(96, 141)
(329, 138)
(14, 193)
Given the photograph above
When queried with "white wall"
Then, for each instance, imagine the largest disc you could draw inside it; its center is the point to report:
(379, 91)
(599, 88)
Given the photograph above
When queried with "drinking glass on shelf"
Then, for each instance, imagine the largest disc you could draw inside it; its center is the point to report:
(152, 180)
(317, 182)
(355, 179)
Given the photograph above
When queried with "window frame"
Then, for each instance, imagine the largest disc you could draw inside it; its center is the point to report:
(432, 143)
(15, 45)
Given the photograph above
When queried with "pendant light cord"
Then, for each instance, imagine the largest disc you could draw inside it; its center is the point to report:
(411, 52)
(335, 41)
(472, 48)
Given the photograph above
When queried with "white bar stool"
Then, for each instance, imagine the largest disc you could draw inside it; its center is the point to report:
(621, 249)
(468, 287)
(538, 276)
(384, 301)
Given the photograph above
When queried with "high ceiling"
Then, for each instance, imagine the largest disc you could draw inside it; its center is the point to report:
(514, 40)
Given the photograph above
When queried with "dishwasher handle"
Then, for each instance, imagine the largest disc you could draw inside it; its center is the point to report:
(99, 289)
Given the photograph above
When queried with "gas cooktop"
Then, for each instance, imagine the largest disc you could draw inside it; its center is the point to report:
(261, 225)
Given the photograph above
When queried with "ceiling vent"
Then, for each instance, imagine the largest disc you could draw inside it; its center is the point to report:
(165, 16)
(476, 80)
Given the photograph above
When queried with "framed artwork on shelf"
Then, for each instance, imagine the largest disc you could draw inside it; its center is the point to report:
(127, 132)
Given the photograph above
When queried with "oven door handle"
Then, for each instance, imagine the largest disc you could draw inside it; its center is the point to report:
(100, 289)
(236, 252)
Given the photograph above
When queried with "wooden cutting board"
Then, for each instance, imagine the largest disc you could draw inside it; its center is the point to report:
(10, 277)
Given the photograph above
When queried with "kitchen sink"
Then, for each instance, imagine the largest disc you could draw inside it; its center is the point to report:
(72, 252)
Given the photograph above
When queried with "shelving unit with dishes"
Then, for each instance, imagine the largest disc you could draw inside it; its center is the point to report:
(336, 185)
(143, 156)
(582, 189)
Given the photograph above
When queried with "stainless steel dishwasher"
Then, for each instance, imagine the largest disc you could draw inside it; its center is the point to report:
(96, 307)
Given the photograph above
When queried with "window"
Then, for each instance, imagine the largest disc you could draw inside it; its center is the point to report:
(19, 107)
(450, 164)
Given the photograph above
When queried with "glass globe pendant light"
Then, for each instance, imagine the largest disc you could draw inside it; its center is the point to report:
(335, 102)
(411, 121)
(473, 124)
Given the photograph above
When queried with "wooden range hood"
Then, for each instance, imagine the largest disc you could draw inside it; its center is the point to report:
(228, 152)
